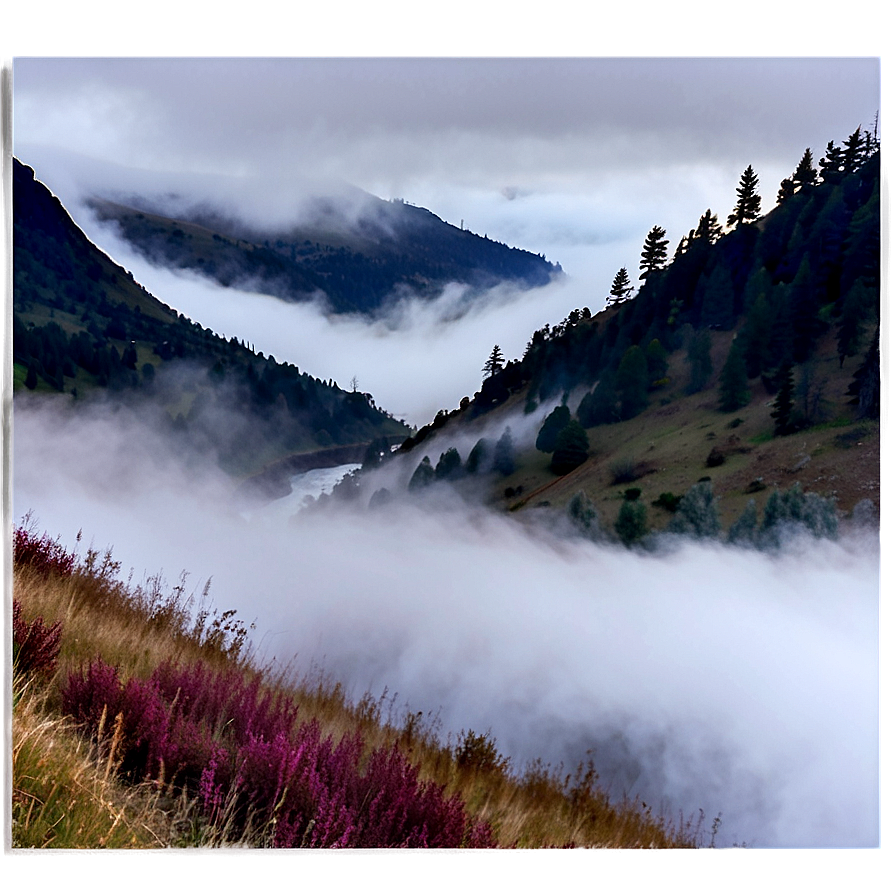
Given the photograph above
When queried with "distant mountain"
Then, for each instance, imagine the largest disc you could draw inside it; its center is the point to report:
(355, 249)
(82, 326)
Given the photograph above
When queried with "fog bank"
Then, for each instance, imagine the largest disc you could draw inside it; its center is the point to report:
(708, 678)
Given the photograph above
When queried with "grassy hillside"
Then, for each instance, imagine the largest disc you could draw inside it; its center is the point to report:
(140, 720)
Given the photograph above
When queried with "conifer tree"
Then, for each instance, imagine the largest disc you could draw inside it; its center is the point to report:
(504, 462)
(749, 202)
(786, 190)
(550, 429)
(632, 382)
(700, 361)
(805, 174)
(571, 450)
(653, 255)
(783, 406)
(708, 228)
(423, 476)
(621, 288)
(449, 466)
(734, 392)
(657, 361)
(494, 363)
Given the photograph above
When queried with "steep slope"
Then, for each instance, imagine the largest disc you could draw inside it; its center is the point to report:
(356, 251)
(83, 327)
(751, 359)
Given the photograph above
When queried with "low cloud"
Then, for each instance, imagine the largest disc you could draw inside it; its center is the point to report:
(704, 678)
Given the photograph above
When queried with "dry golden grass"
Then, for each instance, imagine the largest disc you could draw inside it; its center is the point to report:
(67, 795)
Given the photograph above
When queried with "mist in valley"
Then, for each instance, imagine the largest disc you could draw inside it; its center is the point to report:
(700, 678)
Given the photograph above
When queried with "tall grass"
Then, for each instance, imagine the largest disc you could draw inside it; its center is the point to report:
(152, 726)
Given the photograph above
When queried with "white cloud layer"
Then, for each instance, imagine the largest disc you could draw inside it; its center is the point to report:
(707, 678)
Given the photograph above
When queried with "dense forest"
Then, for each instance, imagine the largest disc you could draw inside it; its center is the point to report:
(83, 326)
(357, 264)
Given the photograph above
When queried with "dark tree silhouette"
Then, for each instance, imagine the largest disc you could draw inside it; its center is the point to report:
(550, 429)
(571, 449)
(805, 174)
(653, 255)
(734, 392)
(783, 406)
(494, 363)
(621, 288)
(749, 202)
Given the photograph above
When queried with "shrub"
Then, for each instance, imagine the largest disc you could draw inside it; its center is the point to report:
(667, 501)
(697, 514)
(35, 646)
(795, 510)
(43, 554)
(631, 524)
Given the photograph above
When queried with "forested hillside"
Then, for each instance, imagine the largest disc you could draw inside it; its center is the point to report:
(355, 259)
(765, 326)
(84, 327)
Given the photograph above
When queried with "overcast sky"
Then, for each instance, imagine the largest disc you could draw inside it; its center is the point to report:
(576, 158)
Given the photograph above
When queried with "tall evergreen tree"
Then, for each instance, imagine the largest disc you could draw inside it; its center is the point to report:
(571, 449)
(708, 228)
(700, 361)
(749, 202)
(495, 362)
(783, 406)
(621, 288)
(786, 190)
(865, 387)
(734, 392)
(554, 422)
(632, 382)
(805, 174)
(504, 462)
(653, 255)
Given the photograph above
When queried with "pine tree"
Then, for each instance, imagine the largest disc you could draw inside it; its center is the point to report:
(495, 362)
(805, 174)
(786, 190)
(831, 166)
(708, 228)
(550, 429)
(504, 462)
(749, 202)
(657, 362)
(783, 406)
(423, 476)
(449, 466)
(653, 255)
(734, 391)
(744, 529)
(865, 387)
(571, 450)
(632, 382)
(700, 361)
(621, 288)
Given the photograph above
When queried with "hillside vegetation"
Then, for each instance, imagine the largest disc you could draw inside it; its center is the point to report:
(355, 258)
(749, 360)
(140, 720)
(83, 328)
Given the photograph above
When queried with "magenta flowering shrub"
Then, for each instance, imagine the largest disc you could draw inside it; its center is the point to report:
(42, 553)
(238, 749)
(35, 646)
